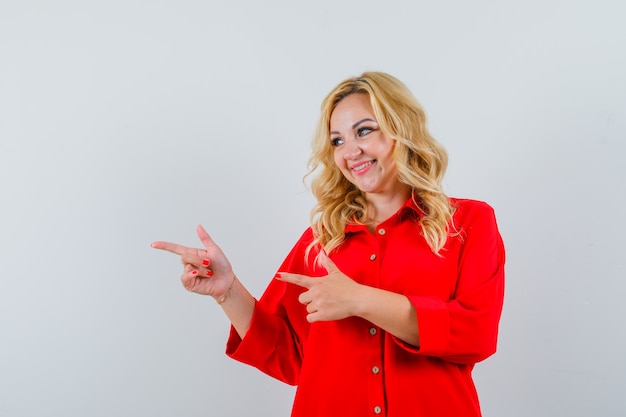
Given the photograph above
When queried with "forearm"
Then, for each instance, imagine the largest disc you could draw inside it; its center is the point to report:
(390, 311)
(238, 304)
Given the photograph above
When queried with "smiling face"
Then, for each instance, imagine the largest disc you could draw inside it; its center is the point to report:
(361, 150)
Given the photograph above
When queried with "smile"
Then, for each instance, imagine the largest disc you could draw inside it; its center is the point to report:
(361, 167)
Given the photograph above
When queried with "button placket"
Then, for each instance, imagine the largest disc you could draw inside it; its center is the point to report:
(376, 391)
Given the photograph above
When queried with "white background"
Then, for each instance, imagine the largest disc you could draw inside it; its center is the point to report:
(125, 122)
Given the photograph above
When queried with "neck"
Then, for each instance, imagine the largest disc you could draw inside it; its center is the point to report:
(382, 206)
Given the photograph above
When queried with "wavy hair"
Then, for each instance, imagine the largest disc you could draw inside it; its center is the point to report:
(421, 163)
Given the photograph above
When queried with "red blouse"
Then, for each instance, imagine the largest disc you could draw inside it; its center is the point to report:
(350, 367)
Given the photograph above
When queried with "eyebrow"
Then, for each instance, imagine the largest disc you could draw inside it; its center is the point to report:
(367, 119)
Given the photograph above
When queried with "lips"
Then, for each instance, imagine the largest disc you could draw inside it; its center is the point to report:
(361, 166)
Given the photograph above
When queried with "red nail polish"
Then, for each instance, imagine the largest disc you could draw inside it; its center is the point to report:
(194, 272)
(209, 273)
(206, 262)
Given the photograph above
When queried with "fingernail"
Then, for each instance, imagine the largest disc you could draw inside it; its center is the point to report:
(194, 272)
(206, 262)
(278, 276)
(209, 273)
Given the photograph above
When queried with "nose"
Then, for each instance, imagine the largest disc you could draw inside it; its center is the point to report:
(351, 149)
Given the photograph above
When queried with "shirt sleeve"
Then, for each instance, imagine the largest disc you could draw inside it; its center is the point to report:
(274, 341)
(464, 329)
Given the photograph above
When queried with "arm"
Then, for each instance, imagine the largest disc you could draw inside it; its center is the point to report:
(391, 312)
(239, 307)
(464, 328)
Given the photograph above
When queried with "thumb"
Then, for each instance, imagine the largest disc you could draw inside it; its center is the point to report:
(204, 237)
(328, 264)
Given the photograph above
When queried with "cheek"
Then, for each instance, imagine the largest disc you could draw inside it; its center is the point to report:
(338, 158)
(386, 153)
(388, 157)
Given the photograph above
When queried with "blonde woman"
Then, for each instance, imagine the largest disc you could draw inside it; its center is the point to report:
(387, 301)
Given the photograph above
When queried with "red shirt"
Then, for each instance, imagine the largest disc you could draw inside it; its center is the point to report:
(350, 367)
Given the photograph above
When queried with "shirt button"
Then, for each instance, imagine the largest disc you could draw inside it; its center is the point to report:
(373, 331)
(377, 410)
(382, 232)
(373, 257)
(375, 370)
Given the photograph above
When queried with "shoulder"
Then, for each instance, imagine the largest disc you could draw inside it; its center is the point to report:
(301, 258)
(301, 245)
(468, 212)
(474, 225)
(466, 206)
(307, 236)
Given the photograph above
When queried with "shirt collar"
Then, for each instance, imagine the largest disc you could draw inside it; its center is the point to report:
(409, 208)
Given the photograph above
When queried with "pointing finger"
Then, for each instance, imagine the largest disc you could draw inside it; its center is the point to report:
(301, 280)
(171, 247)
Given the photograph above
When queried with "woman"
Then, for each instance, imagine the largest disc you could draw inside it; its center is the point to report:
(388, 300)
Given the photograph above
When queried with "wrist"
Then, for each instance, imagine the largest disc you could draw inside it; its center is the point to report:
(222, 298)
(361, 295)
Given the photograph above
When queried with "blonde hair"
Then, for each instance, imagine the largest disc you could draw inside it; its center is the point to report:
(421, 163)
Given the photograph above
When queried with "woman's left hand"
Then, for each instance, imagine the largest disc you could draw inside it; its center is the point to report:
(332, 297)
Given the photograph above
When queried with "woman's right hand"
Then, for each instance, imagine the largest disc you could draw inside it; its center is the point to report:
(206, 271)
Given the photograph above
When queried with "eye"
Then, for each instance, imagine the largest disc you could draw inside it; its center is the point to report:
(336, 141)
(362, 131)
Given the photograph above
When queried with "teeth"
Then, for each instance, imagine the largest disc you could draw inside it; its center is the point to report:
(363, 166)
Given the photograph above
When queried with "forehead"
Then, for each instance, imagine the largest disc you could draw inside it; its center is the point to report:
(351, 109)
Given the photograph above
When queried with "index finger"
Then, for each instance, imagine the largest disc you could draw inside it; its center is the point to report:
(171, 247)
(301, 280)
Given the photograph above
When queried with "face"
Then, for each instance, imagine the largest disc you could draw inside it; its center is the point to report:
(361, 151)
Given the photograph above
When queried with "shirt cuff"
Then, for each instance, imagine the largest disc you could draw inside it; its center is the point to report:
(433, 321)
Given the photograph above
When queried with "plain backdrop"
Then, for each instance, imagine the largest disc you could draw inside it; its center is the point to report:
(125, 122)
